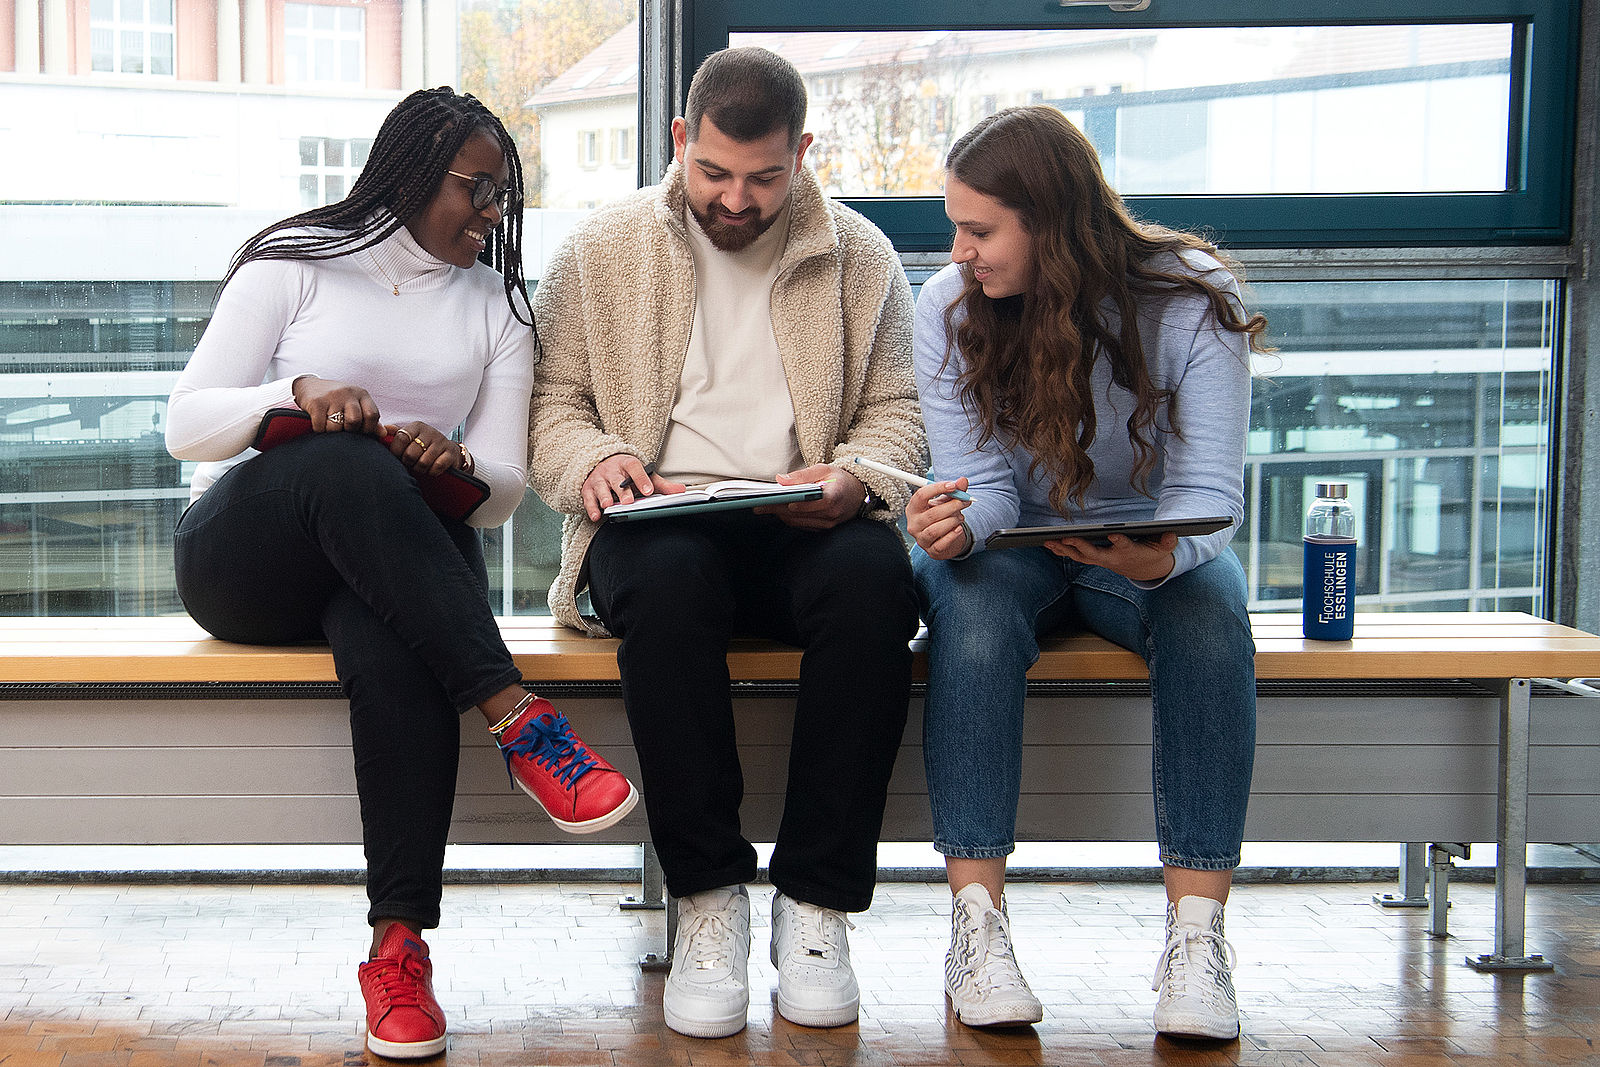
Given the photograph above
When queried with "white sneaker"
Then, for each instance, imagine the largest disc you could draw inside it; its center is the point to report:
(708, 988)
(981, 977)
(1194, 975)
(816, 986)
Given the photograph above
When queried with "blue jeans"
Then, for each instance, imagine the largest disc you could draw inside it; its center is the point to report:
(985, 614)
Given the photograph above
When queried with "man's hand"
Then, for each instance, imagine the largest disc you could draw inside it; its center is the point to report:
(842, 497)
(620, 479)
(933, 518)
(1140, 561)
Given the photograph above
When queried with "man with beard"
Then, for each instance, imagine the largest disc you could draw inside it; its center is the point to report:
(733, 322)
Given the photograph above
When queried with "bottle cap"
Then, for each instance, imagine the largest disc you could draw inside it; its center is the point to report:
(1333, 490)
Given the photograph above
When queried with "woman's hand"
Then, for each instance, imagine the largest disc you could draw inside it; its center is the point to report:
(1140, 561)
(336, 406)
(423, 449)
(933, 518)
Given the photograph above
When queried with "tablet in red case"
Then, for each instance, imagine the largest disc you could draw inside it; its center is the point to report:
(453, 494)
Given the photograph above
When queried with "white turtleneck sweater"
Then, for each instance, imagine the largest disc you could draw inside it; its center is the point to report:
(447, 351)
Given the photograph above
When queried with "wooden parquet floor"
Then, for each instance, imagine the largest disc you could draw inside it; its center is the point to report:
(264, 976)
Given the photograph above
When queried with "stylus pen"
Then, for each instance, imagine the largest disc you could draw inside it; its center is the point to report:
(904, 476)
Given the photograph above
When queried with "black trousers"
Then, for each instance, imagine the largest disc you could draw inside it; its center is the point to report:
(327, 537)
(674, 591)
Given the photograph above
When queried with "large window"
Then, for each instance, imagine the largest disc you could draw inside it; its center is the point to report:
(1431, 391)
(131, 36)
(324, 44)
(1287, 124)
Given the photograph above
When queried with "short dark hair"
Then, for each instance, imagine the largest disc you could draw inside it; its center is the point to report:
(747, 93)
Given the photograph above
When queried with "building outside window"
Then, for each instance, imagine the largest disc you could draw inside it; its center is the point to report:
(622, 147)
(329, 167)
(131, 37)
(324, 44)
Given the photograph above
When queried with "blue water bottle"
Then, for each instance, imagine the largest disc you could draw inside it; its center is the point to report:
(1330, 565)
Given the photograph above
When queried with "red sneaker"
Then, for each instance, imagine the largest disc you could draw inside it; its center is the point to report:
(580, 791)
(404, 1022)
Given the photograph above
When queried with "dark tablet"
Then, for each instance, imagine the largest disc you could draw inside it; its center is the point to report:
(1099, 533)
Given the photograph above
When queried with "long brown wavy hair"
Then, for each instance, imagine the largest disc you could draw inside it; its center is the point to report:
(1029, 357)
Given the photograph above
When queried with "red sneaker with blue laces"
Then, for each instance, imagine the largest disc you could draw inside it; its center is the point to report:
(404, 1021)
(581, 792)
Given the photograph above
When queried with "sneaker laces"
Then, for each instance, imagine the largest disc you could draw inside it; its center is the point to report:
(549, 741)
(1188, 965)
(810, 930)
(708, 940)
(997, 971)
(401, 983)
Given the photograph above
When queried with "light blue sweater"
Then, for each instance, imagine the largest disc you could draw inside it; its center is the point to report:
(1201, 473)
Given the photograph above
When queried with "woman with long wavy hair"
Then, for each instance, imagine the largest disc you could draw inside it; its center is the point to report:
(391, 320)
(1075, 365)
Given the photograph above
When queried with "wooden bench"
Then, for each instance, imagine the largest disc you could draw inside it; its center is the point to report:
(127, 731)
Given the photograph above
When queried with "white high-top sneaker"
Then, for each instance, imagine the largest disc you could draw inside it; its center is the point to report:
(1195, 973)
(981, 976)
(810, 948)
(708, 988)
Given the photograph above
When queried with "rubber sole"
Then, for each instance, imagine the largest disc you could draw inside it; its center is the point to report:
(406, 1050)
(609, 819)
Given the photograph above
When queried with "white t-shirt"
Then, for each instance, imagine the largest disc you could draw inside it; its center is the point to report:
(733, 416)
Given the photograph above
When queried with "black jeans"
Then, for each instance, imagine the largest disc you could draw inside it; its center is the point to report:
(674, 591)
(327, 537)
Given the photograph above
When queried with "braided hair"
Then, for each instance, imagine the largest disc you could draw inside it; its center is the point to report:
(415, 146)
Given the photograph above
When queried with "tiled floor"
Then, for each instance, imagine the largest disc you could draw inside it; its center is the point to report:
(264, 976)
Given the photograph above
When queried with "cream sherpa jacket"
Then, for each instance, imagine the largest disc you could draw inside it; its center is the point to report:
(614, 310)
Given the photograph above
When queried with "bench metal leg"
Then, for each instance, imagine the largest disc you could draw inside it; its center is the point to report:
(1413, 879)
(1511, 864)
(1441, 859)
(651, 895)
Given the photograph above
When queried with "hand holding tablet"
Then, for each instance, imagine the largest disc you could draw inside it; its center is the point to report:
(1100, 533)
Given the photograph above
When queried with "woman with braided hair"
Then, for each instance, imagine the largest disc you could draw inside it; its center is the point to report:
(391, 319)
(1075, 365)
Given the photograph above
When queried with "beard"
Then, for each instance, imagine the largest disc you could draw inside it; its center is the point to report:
(726, 237)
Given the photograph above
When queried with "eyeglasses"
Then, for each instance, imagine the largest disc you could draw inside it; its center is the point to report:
(486, 191)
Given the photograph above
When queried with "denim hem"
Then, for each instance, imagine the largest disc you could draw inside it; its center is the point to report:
(962, 852)
(1190, 864)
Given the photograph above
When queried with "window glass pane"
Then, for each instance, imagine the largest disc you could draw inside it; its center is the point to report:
(310, 191)
(349, 19)
(582, 76)
(296, 16)
(132, 52)
(161, 12)
(160, 53)
(333, 188)
(358, 151)
(132, 11)
(1432, 399)
(323, 17)
(1281, 110)
(333, 153)
(350, 62)
(308, 151)
(101, 46)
